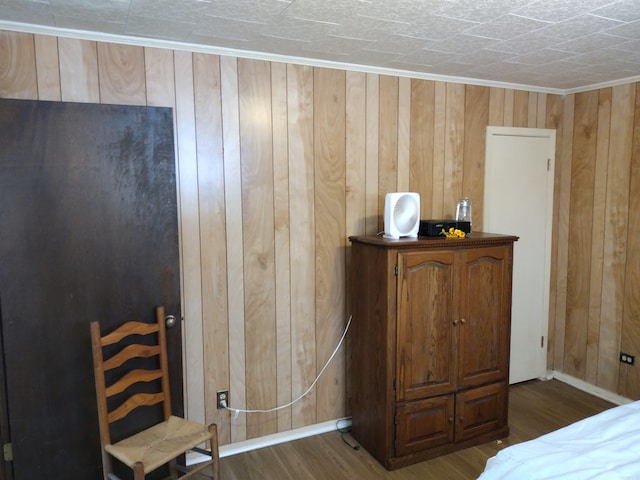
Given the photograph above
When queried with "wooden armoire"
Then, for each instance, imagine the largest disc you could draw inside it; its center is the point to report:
(430, 344)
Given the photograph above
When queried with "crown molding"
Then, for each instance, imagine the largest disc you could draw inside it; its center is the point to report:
(198, 48)
(597, 86)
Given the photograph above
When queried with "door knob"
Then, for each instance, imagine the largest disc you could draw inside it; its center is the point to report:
(170, 320)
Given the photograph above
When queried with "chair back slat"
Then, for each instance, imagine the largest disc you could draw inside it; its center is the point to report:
(129, 352)
(135, 401)
(131, 378)
(129, 328)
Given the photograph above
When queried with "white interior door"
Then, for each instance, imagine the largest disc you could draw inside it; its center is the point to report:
(518, 200)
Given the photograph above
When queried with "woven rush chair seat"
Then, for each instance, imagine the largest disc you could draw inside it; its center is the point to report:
(159, 444)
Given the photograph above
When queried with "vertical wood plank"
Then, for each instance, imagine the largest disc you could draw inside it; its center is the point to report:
(329, 147)
(18, 77)
(234, 242)
(404, 134)
(122, 76)
(541, 110)
(453, 148)
(532, 110)
(554, 119)
(215, 328)
(282, 242)
(48, 68)
(302, 213)
(509, 107)
(615, 239)
(374, 216)
(160, 77)
(597, 234)
(476, 119)
(187, 177)
(356, 138)
(421, 147)
(520, 108)
(439, 140)
(496, 106)
(579, 247)
(254, 89)
(388, 143)
(563, 200)
(78, 70)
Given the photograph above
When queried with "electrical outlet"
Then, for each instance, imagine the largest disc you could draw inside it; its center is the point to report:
(628, 359)
(223, 399)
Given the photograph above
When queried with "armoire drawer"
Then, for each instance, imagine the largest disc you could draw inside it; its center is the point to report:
(424, 424)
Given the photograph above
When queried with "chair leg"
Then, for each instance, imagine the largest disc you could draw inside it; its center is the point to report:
(107, 469)
(213, 463)
(215, 453)
(138, 471)
(173, 470)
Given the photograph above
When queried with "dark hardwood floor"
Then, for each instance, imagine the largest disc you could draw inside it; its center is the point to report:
(535, 408)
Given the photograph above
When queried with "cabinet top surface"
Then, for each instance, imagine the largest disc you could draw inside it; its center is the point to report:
(473, 239)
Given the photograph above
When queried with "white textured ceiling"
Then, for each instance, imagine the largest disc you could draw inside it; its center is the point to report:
(549, 44)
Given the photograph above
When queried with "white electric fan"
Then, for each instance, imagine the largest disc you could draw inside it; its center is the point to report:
(401, 215)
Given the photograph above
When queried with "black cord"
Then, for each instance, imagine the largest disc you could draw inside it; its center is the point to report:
(344, 431)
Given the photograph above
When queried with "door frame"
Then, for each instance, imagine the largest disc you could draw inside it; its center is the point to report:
(492, 133)
(6, 467)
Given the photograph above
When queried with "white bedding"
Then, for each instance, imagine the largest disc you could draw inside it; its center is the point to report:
(605, 446)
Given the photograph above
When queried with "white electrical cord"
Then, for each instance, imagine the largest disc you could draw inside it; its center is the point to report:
(237, 411)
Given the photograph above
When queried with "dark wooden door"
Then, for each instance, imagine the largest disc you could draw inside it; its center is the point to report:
(88, 230)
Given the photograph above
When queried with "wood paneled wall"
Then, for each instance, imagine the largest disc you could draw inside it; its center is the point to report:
(279, 163)
(598, 310)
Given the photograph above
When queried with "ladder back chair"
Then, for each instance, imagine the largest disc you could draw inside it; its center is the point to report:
(162, 443)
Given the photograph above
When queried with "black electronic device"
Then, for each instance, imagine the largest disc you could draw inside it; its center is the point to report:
(433, 228)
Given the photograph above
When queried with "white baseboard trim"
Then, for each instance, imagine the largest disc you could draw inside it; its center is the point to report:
(275, 439)
(589, 388)
(282, 437)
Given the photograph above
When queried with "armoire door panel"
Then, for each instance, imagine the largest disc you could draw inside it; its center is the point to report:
(425, 327)
(485, 292)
